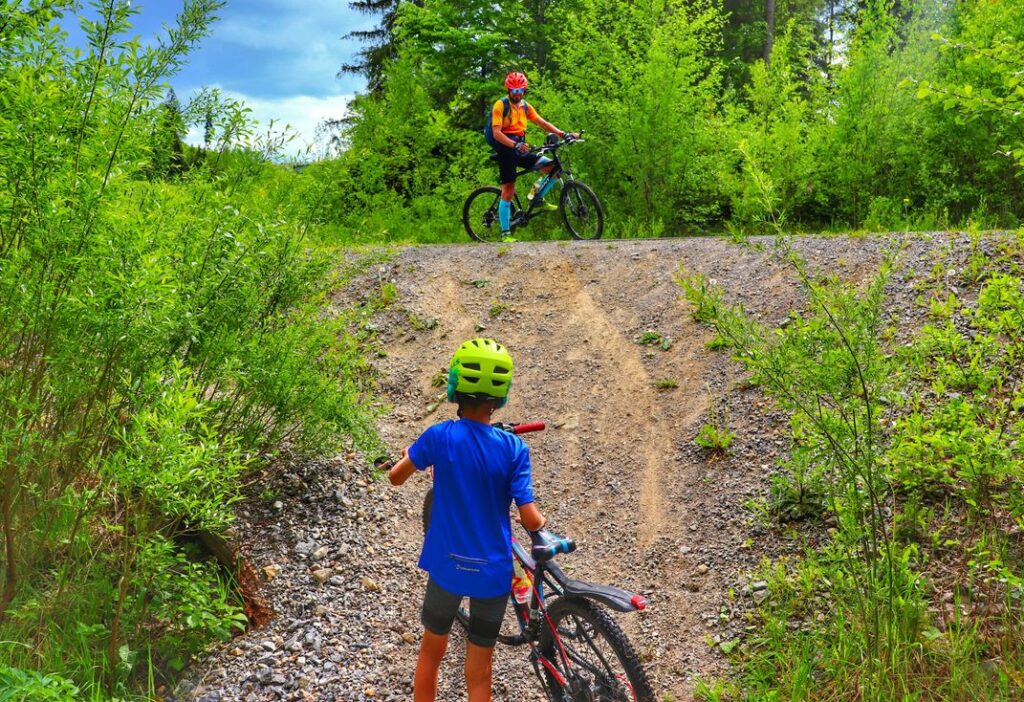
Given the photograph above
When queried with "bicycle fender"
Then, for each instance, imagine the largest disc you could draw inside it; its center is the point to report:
(613, 597)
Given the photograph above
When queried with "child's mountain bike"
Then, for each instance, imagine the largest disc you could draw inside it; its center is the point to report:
(581, 211)
(577, 651)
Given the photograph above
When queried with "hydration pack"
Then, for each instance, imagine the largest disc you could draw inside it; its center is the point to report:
(489, 129)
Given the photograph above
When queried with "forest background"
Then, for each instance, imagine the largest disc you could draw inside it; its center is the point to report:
(167, 330)
(700, 116)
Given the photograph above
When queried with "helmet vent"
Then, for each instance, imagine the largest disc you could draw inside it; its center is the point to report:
(471, 366)
(501, 370)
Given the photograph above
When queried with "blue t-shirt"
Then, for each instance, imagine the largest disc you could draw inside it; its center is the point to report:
(478, 471)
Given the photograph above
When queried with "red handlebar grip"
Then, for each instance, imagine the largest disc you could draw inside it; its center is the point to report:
(528, 427)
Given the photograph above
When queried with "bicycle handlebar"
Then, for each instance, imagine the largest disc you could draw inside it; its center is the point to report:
(564, 141)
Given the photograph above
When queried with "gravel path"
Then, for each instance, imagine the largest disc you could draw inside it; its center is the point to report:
(618, 468)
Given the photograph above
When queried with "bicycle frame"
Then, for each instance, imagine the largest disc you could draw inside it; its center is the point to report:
(532, 615)
(564, 175)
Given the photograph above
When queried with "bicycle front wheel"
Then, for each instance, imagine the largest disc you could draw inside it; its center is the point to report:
(581, 211)
(592, 654)
(480, 214)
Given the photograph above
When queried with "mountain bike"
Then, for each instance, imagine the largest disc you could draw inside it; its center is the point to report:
(581, 211)
(577, 651)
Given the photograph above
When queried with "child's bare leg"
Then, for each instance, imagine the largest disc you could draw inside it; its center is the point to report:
(424, 684)
(478, 672)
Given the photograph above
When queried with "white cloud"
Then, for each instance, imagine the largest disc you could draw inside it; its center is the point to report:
(302, 113)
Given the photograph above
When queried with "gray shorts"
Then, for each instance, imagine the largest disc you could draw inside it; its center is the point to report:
(485, 614)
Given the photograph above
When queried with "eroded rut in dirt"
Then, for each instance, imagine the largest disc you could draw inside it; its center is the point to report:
(617, 469)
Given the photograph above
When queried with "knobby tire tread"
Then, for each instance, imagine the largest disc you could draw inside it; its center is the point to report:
(588, 193)
(609, 630)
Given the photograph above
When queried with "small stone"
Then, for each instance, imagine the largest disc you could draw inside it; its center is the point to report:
(319, 611)
(409, 638)
(759, 585)
(369, 584)
(760, 596)
(684, 549)
(702, 569)
(321, 575)
(270, 572)
(268, 645)
(320, 553)
(278, 505)
(236, 652)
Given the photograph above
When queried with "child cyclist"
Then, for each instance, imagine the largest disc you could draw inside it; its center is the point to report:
(478, 471)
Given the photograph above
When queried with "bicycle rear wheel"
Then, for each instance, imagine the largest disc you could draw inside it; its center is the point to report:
(480, 214)
(602, 663)
(581, 211)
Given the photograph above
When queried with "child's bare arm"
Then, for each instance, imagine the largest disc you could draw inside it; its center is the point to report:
(401, 471)
(530, 517)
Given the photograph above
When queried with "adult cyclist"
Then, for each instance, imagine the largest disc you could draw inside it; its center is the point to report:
(508, 138)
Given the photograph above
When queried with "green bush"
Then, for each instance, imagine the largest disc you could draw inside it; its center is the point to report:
(164, 326)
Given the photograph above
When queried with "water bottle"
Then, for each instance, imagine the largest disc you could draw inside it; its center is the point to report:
(534, 189)
(521, 583)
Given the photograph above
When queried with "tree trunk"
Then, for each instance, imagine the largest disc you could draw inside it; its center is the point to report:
(10, 542)
(769, 41)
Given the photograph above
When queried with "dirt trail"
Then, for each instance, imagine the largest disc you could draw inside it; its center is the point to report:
(617, 469)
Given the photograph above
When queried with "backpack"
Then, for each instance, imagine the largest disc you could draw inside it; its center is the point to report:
(489, 130)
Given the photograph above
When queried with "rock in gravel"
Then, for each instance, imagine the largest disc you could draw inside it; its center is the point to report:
(760, 596)
(702, 569)
(759, 585)
(321, 553)
(270, 572)
(321, 575)
(370, 584)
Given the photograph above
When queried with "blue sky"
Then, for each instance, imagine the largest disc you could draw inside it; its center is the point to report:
(280, 56)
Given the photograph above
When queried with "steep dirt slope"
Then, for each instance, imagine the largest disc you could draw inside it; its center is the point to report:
(618, 468)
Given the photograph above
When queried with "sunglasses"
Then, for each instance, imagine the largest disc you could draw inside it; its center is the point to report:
(517, 91)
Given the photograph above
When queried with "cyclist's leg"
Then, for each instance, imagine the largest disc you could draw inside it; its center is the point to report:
(432, 649)
(508, 191)
(478, 672)
(507, 159)
(485, 616)
(438, 614)
(545, 166)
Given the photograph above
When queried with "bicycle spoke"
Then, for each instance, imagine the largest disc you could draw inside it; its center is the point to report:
(591, 658)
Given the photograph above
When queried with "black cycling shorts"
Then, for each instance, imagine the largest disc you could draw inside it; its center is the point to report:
(510, 159)
(485, 614)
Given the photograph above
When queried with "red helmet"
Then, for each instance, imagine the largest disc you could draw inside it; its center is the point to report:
(515, 80)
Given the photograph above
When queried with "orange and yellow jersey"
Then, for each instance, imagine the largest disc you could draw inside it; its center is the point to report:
(515, 123)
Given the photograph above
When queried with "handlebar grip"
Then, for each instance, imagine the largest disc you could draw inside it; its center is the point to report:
(527, 427)
(546, 545)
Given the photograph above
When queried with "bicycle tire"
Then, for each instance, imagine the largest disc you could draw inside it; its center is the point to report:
(581, 211)
(580, 625)
(483, 225)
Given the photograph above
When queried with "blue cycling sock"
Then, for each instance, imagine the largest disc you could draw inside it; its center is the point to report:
(504, 214)
(547, 186)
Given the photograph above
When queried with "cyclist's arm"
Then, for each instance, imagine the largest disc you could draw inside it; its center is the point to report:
(500, 137)
(401, 471)
(545, 125)
(530, 517)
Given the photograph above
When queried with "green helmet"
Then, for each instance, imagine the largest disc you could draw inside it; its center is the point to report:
(481, 368)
